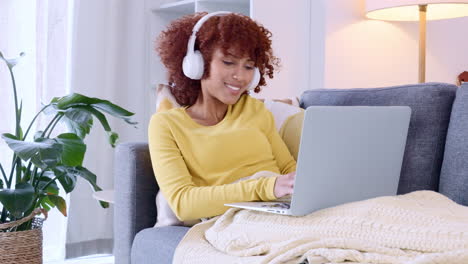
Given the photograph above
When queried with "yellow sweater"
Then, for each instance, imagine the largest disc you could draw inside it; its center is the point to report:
(195, 165)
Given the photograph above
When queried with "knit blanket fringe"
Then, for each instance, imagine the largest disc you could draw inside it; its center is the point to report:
(421, 227)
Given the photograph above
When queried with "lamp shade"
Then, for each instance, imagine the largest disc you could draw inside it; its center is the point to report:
(408, 10)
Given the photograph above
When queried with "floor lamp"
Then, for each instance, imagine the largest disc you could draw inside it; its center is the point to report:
(417, 10)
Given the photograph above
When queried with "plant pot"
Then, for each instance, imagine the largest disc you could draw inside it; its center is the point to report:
(21, 247)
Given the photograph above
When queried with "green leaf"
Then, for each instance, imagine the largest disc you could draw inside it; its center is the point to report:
(43, 152)
(55, 100)
(67, 149)
(80, 117)
(78, 110)
(9, 136)
(112, 136)
(46, 203)
(38, 135)
(105, 105)
(19, 200)
(52, 189)
(51, 110)
(115, 111)
(101, 117)
(78, 121)
(60, 203)
(44, 179)
(27, 172)
(66, 177)
(76, 99)
(49, 156)
(104, 204)
(73, 149)
(89, 177)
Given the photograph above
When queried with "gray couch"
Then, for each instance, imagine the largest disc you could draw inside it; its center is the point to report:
(436, 158)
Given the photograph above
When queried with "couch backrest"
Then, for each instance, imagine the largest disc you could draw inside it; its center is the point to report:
(454, 173)
(431, 104)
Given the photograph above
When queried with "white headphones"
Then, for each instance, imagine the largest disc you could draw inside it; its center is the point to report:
(193, 64)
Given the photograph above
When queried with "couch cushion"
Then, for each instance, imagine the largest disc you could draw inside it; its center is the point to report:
(454, 173)
(157, 245)
(431, 104)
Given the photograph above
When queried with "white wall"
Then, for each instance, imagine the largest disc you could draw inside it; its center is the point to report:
(290, 23)
(362, 53)
(132, 89)
(93, 71)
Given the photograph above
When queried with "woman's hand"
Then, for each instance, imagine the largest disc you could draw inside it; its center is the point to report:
(284, 184)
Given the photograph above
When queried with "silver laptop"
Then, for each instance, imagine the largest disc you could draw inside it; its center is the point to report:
(346, 154)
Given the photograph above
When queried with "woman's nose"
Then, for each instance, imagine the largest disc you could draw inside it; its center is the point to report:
(241, 74)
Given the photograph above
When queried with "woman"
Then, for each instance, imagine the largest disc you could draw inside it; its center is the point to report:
(220, 134)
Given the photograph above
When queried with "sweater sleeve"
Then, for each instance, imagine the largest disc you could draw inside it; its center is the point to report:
(187, 200)
(284, 159)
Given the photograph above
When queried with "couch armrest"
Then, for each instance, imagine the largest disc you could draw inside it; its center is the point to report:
(135, 194)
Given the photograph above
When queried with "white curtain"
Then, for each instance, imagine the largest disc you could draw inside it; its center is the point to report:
(102, 67)
(90, 227)
(109, 55)
(41, 29)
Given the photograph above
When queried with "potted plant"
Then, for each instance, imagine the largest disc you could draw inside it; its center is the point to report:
(43, 163)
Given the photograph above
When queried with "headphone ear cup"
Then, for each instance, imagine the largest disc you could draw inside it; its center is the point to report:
(193, 65)
(255, 79)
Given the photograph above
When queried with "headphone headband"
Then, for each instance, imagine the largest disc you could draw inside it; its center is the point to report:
(191, 42)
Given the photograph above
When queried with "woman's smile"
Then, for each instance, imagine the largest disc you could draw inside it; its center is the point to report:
(233, 89)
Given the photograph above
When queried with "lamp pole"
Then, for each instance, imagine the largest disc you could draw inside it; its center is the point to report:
(422, 43)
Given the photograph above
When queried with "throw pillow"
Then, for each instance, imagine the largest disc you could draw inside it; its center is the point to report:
(288, 121)
(164, 98)
(288, 118)
(291, 132)
(166, 217)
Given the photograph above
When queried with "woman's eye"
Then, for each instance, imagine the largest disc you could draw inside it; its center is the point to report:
(249, 67)
(228, 62)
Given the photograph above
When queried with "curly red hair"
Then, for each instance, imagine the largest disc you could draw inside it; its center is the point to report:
(229, 31)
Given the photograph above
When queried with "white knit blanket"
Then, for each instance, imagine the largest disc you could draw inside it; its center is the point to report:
(420, 227)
